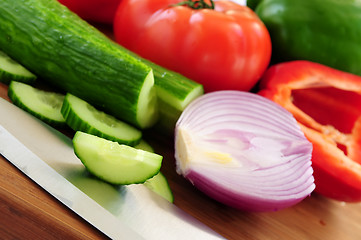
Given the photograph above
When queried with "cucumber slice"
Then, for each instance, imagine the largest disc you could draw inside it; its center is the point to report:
(158, 183)
(143, 145)
(42, 104)
(113, 162)
(12, 70)
(81, 116)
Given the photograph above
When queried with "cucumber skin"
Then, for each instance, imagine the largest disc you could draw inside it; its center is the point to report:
(56, 45)
(15, 99)
(173, 88)
(6, 78)
(82, 137)
(174, 92)
(72, 120)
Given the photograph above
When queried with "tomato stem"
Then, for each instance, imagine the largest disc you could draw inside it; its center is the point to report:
(196, 4)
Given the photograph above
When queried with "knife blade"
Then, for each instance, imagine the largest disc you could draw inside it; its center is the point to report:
(121, 212)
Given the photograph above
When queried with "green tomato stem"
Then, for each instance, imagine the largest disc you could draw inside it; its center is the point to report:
(196, 4)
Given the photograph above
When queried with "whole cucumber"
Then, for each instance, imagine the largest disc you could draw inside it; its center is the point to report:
(59, 47)
(323, 31)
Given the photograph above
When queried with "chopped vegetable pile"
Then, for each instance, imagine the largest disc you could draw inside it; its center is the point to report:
(267, 131)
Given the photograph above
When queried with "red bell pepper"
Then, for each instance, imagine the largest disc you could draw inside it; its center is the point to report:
(327, 105)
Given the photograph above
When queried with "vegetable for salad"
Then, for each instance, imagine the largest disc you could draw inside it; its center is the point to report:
(61, 48)
(42, 104)
(12, 70)
(227, 47)
(101, 11)
(323, 31)
(113, 162)
(81, 116)
(159, 183)
(174, 93)
(327, 105)
(252, 4)
(244, 151)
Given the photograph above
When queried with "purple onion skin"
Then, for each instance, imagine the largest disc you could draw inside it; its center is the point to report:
(244, 203)
(272, 187)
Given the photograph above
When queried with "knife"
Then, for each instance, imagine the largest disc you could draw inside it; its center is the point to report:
(121, 212)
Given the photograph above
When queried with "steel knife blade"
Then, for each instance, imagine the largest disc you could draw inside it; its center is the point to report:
(121, 212)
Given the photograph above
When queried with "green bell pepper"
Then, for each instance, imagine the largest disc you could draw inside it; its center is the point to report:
(323, 31)
(252, 4)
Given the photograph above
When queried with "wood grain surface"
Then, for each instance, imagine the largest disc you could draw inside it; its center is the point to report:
(28, 212)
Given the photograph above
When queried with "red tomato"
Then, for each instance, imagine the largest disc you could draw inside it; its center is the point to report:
(225, 48)
(101, 11)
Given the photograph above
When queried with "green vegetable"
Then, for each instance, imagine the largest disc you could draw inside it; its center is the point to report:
(158, 183)
(56, 45)
(174, 92)
(252, 4)
(81, 116)
(42, 104)
(323, 31)
(80, 60)
(115, 163)
(12, 70)
(143, 145)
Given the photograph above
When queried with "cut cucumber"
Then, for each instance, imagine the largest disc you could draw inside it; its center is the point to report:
(158, 183)
(174, 92)
(173, 97)
(107, 195)
(113, 162)
(81, 116)
(173, 88)
(42, 104)
(143, 145)
(12, 70)
(79, 59)
(59, 47)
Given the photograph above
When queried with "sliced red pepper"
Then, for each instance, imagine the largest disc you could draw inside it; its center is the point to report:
(327, 105)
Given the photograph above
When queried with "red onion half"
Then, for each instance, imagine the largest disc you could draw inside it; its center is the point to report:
(244, 150)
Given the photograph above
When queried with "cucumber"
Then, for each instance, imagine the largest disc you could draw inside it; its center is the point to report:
(113, 162)
(158, 183)
(12, 70)
(143, 145)
(59, 47)
(174, 92)
(42, 104)
(168, 118)
(173, 88)
(81, 116)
